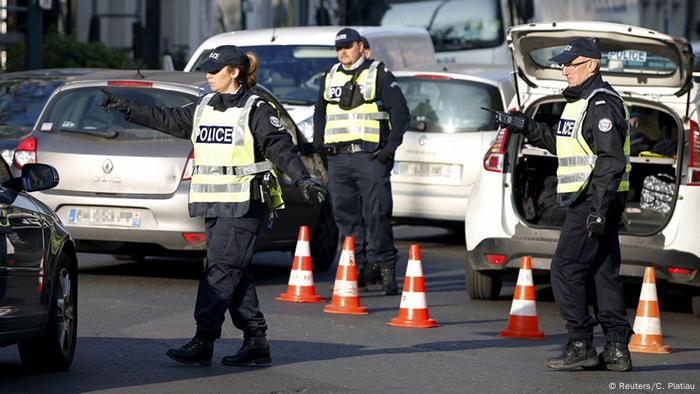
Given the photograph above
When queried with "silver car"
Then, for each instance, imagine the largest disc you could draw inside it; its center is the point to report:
(124, 187)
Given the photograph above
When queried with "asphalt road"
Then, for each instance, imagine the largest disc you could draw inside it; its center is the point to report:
(131, 313)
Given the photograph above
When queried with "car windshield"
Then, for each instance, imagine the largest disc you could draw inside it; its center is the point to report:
(450, 27)
(625, 61)
(450, 106)
(78, 111)
(21, 100)
(292, 72)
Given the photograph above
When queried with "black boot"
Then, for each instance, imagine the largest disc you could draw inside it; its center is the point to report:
(196, 351)
(389, 285)
(373, 273)
(255, 351)
(576, 354)
(361, 284)
(616, 357)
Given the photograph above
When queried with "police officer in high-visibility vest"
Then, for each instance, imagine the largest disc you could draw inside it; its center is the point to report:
(592, 144)
(238, 141)
(359, 121)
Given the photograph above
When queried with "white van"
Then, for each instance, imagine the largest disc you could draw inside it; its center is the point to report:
(294, 59)
(512, 210)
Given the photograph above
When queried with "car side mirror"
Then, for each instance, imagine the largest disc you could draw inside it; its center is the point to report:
(37, 177)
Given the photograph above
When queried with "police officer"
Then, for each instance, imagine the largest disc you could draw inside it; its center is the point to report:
(592, 144)
(359, 121)
(238, 140)
(366, 50)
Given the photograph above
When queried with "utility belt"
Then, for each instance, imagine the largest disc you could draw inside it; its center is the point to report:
(260, 187)
(343, 149)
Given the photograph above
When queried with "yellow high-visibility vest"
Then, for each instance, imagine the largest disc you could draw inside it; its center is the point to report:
(360, 123)
(224, 156)
(576, 158)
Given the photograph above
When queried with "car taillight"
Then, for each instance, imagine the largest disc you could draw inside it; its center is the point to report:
(432, 76)
(130, 84)
(189, 168)
(679, 271)
(694, 162)
(25, 152)
(493, 160)
(495, 259)
(194, 238)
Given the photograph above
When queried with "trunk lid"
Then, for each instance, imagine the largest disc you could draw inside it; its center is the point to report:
(632, 57)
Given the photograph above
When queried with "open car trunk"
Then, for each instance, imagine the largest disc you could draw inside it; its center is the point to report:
(654, 133)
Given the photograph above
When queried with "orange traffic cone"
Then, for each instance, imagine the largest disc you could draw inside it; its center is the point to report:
(647, 336)
(345, 297)
(413, 311)
(301, 279)
(522, 322)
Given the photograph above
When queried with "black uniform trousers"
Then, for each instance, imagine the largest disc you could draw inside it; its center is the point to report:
(588, 270)
(360, 192)
(225, 283)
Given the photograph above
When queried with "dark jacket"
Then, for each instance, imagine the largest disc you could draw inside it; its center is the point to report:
(271, 142)
(390, 99)
(607, 145)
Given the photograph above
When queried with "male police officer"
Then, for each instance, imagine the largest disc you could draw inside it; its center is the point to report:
(359, 121)
(592, 145)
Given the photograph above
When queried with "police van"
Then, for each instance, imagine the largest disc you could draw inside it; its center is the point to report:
(293, 60)
(513, 211)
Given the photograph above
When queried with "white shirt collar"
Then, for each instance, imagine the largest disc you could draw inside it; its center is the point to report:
(356, 65)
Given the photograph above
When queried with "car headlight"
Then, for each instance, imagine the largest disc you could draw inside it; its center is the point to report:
(307, 128)
(7, 155)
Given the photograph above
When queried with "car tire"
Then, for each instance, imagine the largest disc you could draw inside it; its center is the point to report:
(695, 305)
(482, 285)
(324, 240)
(55, 348)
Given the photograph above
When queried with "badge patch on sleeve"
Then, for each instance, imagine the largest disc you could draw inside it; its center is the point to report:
(605, 125)
(275, 121)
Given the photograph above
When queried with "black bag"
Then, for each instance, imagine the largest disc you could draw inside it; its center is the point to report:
(350, 94)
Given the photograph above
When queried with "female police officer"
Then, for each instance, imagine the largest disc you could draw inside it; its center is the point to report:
(233, 132)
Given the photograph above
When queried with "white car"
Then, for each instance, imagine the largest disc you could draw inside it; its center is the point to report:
(437, 164)
(512, 211)
(293, 60)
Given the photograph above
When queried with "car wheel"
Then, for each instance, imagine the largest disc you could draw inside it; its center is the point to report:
(482, 285)
(695, 305)
(324, 240)
(54, 350)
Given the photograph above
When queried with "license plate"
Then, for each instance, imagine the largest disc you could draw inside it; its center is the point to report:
(434, 170)
(104, 217)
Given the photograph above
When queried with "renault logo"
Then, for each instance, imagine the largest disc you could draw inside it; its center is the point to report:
(107, 166)
(422, 140)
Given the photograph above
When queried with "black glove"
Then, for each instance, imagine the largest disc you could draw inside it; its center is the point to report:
(312, 190)
(383, 155)
(595, 225)
(113, 102)
(514, 121)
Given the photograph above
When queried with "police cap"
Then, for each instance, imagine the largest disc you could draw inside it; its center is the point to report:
(346, 37)
(225, 55)
(365, 42)
(580, 46)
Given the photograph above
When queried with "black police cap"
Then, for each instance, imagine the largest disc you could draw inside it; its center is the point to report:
(346, 37)
(225, 55)
(581, 46)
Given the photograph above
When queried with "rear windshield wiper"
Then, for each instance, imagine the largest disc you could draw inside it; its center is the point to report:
(103, 134)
